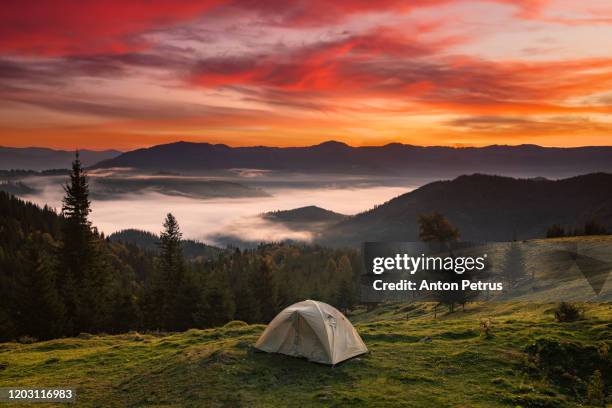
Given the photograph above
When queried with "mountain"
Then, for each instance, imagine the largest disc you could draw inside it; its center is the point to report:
(395, 158)
(108, 188)
(39, 158)
(149, 242)
(484, 208)
(16, 187)
(308, 214)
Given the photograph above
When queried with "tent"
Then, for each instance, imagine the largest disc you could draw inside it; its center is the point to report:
(314, 330)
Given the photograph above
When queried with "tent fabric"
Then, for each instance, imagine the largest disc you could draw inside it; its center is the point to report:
(314, 330)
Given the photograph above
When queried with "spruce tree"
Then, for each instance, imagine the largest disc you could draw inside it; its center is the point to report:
(216, 306)
(264, 289)
(344, 287)
(40, 312)
(77, 250)
(247, 307)
(168, 279)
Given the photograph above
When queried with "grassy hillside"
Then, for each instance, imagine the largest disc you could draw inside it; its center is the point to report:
(414, 361)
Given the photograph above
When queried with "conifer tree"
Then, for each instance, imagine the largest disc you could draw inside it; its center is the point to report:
(345, 289)
(216, 306)
(78, 245)
(247, 308)
(264, 289)
(168, 279)
(40, 312)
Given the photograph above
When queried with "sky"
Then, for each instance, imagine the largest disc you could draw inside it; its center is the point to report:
(128, 74)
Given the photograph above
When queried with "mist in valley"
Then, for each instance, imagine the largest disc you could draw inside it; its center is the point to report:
(215, 214)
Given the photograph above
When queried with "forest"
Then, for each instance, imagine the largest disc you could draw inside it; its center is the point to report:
(59, 276)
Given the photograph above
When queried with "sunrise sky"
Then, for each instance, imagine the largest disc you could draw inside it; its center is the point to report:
(124, 74)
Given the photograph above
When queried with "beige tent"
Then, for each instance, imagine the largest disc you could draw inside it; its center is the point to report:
(314, 330)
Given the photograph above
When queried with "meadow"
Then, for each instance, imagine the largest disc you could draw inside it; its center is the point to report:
(523, 358)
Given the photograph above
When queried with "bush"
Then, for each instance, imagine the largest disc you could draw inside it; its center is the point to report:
(567, 312)
(555, 231)
(569, 365)
(486, 328)
(27, 340)
(234, 324)
(595, 390)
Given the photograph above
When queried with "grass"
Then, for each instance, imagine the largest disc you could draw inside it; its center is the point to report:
(455, 367)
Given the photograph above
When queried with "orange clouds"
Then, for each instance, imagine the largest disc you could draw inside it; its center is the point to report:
(118, 73)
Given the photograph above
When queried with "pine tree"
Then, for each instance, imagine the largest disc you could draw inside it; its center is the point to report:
(345, 289)
(216, 306)
(264, 289)
(247, 307)
(40, 312)
(78, 246)
(165, 302)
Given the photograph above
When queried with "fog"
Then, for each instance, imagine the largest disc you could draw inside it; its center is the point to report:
(208, 219)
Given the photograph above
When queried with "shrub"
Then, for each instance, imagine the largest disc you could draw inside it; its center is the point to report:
(235, 323)
(595, 390)
(568, 365)
(486, 328)
(567, 312)
(27, 339)
(555, 231)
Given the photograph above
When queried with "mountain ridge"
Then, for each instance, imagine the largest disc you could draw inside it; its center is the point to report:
(484, 208)
(42, 158)
(394, 158)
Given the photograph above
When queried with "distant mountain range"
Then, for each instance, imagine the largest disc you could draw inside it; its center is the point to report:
(484, 208)
(40, 158)
(110, 188)
(395, 158)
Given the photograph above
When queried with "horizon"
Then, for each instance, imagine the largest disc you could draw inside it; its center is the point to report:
(68, 149)
(101, 75)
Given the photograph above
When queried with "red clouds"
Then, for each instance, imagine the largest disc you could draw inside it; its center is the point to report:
(325, 66)
(301, 66)
(65, 27)
(74, 27)
(383, 64)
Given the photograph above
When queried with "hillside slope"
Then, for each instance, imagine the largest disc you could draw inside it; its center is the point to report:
(414, 362)
(484, 208)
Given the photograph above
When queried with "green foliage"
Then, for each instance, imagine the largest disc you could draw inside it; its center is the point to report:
(595, 390)
(436, 228)
(486, 328)
(567, 312)
(567, 364)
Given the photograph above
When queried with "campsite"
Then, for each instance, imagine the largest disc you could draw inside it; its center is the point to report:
(414, 360)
